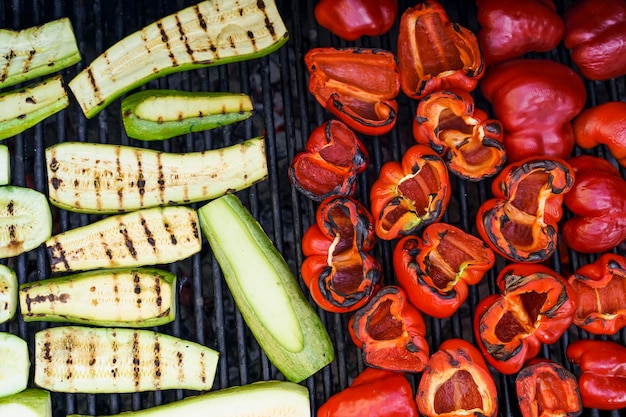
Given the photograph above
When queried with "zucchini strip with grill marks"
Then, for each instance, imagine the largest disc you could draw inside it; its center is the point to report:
(145, 237)
(8, 293)
(117, 360)
(5, 165)
(129, 297)
(104, 178)
(206, 34)
(14, 364)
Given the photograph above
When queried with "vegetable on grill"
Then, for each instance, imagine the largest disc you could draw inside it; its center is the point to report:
(5, 165)
(114, 360)
(603, 124)
(8, 293)
(32, 402)
(205, 34)
(352, 19)
(14, 364)
(106, 178)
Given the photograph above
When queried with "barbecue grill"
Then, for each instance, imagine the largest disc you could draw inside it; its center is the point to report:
(286, 114)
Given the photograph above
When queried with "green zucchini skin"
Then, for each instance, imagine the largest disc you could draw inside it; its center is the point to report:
(203, 118)
(130, 297)
(206, 34)
(32, 402)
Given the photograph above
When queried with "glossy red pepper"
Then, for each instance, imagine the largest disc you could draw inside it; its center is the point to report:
(410, 195)
(598, 203)
(513, 28)
(338, 270)
(535, 99)
(373, 393)
(600, 289)
(351, 19)
(333, 158)
(470, 143)
(595, 31)
(536, 307)
(457, 382)
(602, 382)
(390, 332)
(435, 53)
(604, 124)
(357, 85)
(521, 222)
(437, 269)
(545, 388)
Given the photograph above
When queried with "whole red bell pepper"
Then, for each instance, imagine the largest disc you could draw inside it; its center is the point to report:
(351, 19)
(595, 31)
(333, 158)
(410, 195)
(339, 270)
(513, 28)
(536, 100)
(521, 221)
(536, 306)
(437, 269)
(604, 124)
(457, 382)
(545, 388)
(598, 203)
(470, 143)
(600, 289)
(602, 381)
(435, 53)
(390, 332)
(373, 393)
(357, 85)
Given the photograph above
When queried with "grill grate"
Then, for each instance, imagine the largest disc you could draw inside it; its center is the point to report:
(286, 114)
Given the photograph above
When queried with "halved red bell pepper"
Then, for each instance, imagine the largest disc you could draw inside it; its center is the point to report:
(333, 158)
(595, 31)
(435, 53)
(457, 382)
(338, 270)
(373, 393)
(437, 269)
(545, 388)
(536, 306)
(521, 222)
(535, 99)
(598, 203)
(351, 19)
(410, 195)
(470, 143)
(604, 124)
(602, 381)
(357, 85)
(390, 332)
(600, 289)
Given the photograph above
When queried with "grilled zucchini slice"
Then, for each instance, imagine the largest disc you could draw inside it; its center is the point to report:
(14, 364)
(8, 293)
(5, 165)
(31, 402)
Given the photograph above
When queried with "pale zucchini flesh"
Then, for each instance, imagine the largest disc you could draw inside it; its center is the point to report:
(145, 237)
(209, 33)
(5, 165)
(32, 402)
(265, 290)
(130, 297)
(119, 360)
(14, 364)
(104, 178)
(8, 293)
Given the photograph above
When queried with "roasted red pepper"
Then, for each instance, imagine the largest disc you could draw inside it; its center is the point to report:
(595, 31)
(338, 270)
(357, 85)
(598, 202)
(410, 195)
(351, 19)
(333, 158)
(470, 143)
(604, 124)
(535, 99)
(521, 222)
(545, 388)
(536, 306)
(373, 393)
(513, 28)
(437, 269)
(435, 53)
(390, 332)
(600, 289)
(602, 382)
(457, 382)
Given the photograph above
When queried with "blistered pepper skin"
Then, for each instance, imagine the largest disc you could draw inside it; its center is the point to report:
(352, 19)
